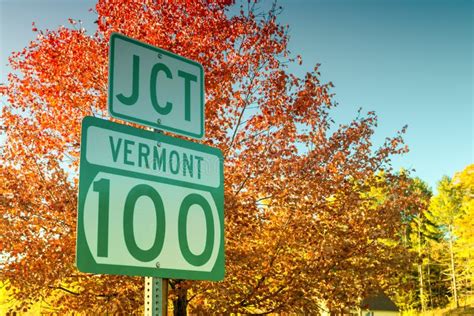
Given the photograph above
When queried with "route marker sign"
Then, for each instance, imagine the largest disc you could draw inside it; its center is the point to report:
(149, 204)
(154, 87)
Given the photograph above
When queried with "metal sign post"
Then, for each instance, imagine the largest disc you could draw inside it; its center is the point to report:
(153, 295)
(156, 296)
(156, 292)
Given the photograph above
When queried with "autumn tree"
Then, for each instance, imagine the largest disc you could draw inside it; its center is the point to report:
(441, 236)
(445, 210)
(426, 288)
(464, 182)
(417, 231)
(309, 205)
(451, 210)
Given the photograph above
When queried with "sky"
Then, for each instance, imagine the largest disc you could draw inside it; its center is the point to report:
(410, 61)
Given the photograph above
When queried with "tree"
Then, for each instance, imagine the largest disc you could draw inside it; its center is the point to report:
(464, 244)
(422, 231)
(426, 287)
(451, 210)
(304, 223)
(445, 209)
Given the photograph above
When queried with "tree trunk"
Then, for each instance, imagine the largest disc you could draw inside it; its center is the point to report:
(180, 303)
(430, 291)
(420, 271)
(453, 271)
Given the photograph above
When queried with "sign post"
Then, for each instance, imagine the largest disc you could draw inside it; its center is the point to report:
(156, 296)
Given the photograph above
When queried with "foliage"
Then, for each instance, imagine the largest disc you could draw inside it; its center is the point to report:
(309, 206)
(464, 243)
(442, 236)
(448, 211)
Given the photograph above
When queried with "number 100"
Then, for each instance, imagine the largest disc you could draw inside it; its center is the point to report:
(102, 187)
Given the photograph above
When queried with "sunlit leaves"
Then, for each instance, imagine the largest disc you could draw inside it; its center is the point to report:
(306, 202)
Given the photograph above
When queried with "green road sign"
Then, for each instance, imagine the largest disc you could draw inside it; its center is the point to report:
(149, 204)
(153, 87)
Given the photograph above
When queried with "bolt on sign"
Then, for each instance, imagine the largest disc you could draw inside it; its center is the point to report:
(154, 87)
(149, 204)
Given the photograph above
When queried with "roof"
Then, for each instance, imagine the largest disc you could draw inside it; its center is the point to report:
(380, 302)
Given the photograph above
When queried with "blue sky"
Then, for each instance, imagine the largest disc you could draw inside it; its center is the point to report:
(411, 61)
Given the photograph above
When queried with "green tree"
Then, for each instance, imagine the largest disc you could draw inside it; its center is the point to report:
(422, 231)
(417, 288)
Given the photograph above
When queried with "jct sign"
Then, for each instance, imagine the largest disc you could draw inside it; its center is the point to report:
(151, 86)
(149, 204)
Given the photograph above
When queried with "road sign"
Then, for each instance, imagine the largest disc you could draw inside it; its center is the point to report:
(149, 204)
(151, 86)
